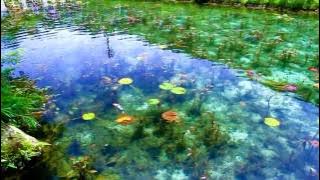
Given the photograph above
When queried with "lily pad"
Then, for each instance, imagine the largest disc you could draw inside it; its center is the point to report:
(125, 81)
(153, 101)
(178, 90)
(272, 122)
(166, 86)
(88, 116)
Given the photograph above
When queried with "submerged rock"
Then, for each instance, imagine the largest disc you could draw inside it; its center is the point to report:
(17, 147)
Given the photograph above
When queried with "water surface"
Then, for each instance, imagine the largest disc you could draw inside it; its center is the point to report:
(81, 66)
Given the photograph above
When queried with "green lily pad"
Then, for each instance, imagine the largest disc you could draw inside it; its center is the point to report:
(88, 116)
(166, 86)
(272, 122)
(125, 81)
(153, 101)
(178, 90)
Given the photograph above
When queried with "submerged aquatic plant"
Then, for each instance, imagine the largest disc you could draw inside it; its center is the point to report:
(81, 168)
(279, 86)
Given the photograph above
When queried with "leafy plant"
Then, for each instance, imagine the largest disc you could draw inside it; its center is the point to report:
(19, 96)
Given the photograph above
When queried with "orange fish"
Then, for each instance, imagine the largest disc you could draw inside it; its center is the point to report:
(314, 143)
(313, 69)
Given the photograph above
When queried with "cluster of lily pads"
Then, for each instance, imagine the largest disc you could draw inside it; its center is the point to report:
(167, 86)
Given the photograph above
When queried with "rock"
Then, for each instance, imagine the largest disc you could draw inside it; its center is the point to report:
(14, 140)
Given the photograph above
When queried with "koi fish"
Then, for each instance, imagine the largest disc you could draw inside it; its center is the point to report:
(118, 106)
(250, 73)
(313, 69)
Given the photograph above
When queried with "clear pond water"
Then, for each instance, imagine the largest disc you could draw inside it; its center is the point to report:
(81, 65)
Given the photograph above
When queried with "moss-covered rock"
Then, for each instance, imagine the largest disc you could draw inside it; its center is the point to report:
(17, 147)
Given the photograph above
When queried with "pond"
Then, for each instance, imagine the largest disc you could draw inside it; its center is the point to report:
(133, 100)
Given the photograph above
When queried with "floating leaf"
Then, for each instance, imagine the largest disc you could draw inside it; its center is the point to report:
(88, 116)
(125, 81)
(166, 86)
(178, 90)
(125, 119)
(272, 122)
(153, 101)
(170, 116)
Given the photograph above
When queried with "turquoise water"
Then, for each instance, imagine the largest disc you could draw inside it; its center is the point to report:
(81, 68)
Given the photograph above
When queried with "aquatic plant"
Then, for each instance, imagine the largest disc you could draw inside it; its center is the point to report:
(187, 33)
(166, 86)
(178, 90)
(286, 55)
(210, 133)
(279, 86)
(170, 116)
(125, 119)
(153, 101)
(195, 108)
(81, 168)
(180, 141)
(20, 99)
(88, 116)
(21, 106)
(272, 122)
(125, 81)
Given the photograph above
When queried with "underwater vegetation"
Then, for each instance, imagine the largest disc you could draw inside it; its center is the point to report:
(125, 108)
(294, 5)
(138, 140)
(163, 136)
(271, 46)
